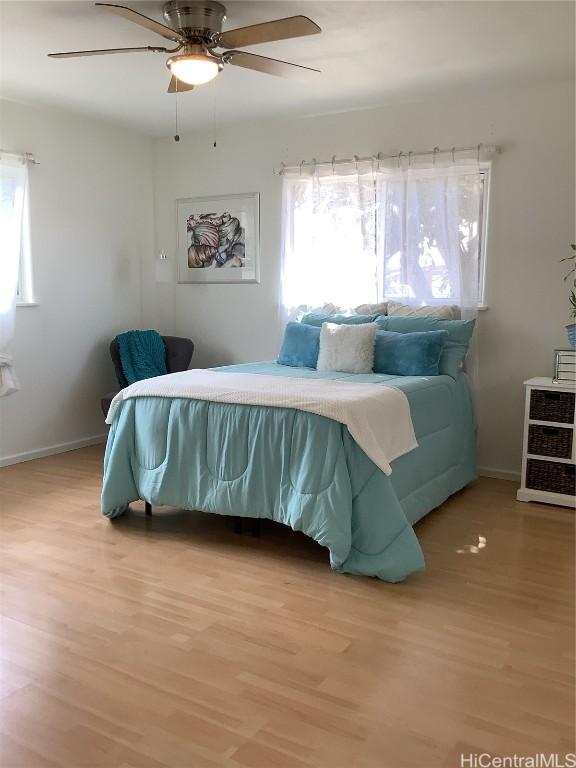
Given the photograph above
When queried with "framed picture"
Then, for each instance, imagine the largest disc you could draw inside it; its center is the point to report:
(217, 239)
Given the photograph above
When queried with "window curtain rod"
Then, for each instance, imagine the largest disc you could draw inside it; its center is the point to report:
(26, 156)
(481, 150)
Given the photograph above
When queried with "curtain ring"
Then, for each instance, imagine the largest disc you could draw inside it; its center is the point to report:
(333, 164)
(478, 153)
(314, 167)
(453, 158)
(399, 159)
(409, 159)
(301, 164)
(356, 160)
(378, 157)
(434, 153)
(282, 169)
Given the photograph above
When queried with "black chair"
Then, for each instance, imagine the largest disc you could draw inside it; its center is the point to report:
(179, 352)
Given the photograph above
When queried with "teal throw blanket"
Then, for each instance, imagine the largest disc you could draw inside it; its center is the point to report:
(142, 355)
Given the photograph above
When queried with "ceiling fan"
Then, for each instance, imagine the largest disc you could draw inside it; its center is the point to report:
(196, 27)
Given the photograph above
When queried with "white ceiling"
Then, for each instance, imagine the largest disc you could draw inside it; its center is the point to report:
(370, 53)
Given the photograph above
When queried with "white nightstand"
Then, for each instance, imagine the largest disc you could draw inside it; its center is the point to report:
(549, 452)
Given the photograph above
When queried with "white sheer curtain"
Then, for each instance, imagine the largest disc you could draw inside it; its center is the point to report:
(13, 194)
(429, 227)
(367, 232)
(329, 235)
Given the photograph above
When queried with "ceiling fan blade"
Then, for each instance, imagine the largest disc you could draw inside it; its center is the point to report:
(177, 86)
(144, 21)
(268, 32)
(104, 51)
(270, 66)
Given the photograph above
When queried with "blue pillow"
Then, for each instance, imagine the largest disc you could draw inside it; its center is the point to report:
(300, 346)
(408, 354)
(455, 346)
(314, 318)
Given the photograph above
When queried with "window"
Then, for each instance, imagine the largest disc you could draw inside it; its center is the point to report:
(13, 225)
(330, 237)
(414, 235)
(15, 220)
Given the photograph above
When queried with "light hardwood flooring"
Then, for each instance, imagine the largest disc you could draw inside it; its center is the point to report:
(172, 641)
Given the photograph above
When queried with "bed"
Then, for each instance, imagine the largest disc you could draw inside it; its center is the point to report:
(300, 469)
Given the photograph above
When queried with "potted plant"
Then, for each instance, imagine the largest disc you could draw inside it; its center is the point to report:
(571, 275)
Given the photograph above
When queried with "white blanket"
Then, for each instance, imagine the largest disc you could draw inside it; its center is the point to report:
(377, 416)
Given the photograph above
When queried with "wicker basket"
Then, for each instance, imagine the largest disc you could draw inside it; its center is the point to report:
(552, 406)
(550, 441)
(551, 476)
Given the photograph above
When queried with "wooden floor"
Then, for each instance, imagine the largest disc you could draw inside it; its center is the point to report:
(172, 641)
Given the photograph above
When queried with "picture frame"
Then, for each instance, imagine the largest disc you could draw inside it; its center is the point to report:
(218, 239)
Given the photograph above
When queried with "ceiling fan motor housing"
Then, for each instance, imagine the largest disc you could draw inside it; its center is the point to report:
(203, 19)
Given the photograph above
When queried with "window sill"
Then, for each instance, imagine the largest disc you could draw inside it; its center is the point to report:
(27, 304)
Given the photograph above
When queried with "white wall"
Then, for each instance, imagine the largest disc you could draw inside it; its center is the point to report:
(91, 221)
(531, 225)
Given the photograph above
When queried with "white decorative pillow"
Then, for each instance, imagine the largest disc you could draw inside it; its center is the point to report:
(347, 348)
(372, 309)
(440, 312)
(326, 309)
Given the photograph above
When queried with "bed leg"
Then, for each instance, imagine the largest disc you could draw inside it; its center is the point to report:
(256, 527)
(148, 508)
(237, 525)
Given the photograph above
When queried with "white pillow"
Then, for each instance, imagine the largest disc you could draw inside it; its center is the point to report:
(372, 309)
(348, 348)
(325, 309)
(440, 312)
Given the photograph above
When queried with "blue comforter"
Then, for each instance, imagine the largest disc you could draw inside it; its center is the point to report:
(297, 468)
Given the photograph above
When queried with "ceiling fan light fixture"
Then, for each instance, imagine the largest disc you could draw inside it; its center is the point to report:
(195, 68)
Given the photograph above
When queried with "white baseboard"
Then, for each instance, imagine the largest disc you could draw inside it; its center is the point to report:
(17, 458)
(499, 474)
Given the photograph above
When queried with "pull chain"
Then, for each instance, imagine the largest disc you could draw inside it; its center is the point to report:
(214, 115)
(176, 135)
